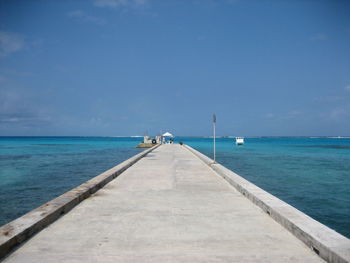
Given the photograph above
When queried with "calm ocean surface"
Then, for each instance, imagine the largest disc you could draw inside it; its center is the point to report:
(312, 174)
(34, 170)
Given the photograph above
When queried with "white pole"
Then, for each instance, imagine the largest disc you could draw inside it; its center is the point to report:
(214, 124)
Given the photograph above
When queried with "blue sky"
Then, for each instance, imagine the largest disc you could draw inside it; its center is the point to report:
(126, 67)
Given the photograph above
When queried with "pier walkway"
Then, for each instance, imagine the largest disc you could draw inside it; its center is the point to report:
(167, 207)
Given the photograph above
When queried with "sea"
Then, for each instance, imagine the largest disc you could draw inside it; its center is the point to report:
(310, 173)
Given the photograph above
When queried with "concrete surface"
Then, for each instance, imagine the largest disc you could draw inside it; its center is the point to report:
(168, 207)
(330, 245)
(145, 145)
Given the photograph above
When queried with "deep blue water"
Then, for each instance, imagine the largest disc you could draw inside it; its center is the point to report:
(311, 174)
(34, 170)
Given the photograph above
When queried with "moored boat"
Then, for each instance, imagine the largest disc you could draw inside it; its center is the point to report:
(239, 140)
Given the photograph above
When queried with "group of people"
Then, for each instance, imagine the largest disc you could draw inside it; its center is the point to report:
(171, 140)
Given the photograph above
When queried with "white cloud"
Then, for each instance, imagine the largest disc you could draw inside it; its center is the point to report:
(82, 16)
(288, 115)
(119, 3)
(16, 108)
(36, 119)
(10, 43)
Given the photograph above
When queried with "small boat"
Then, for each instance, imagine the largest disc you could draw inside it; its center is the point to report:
(239, 140)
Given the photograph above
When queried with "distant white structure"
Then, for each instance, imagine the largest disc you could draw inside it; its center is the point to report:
(168, 137)
(159, 139)
(167, 134)
(147, 139)
(239, 140)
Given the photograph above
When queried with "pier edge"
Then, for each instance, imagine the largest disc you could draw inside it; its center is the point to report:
(19, 230)
(327, 243)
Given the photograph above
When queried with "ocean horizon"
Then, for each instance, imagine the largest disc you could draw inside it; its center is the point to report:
(180, 136)
(311, 173)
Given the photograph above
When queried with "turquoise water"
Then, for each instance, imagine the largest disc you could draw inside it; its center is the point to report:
(34, 170)
(311, 174)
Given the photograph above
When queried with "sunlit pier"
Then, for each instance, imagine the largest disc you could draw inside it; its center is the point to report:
(171, 205)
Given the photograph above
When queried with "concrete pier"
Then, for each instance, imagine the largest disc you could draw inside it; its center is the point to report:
(167, 207)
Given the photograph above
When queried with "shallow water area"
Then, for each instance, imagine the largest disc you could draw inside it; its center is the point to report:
(34, 170)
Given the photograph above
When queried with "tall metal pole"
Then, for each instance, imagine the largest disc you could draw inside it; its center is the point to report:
(214, 124)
